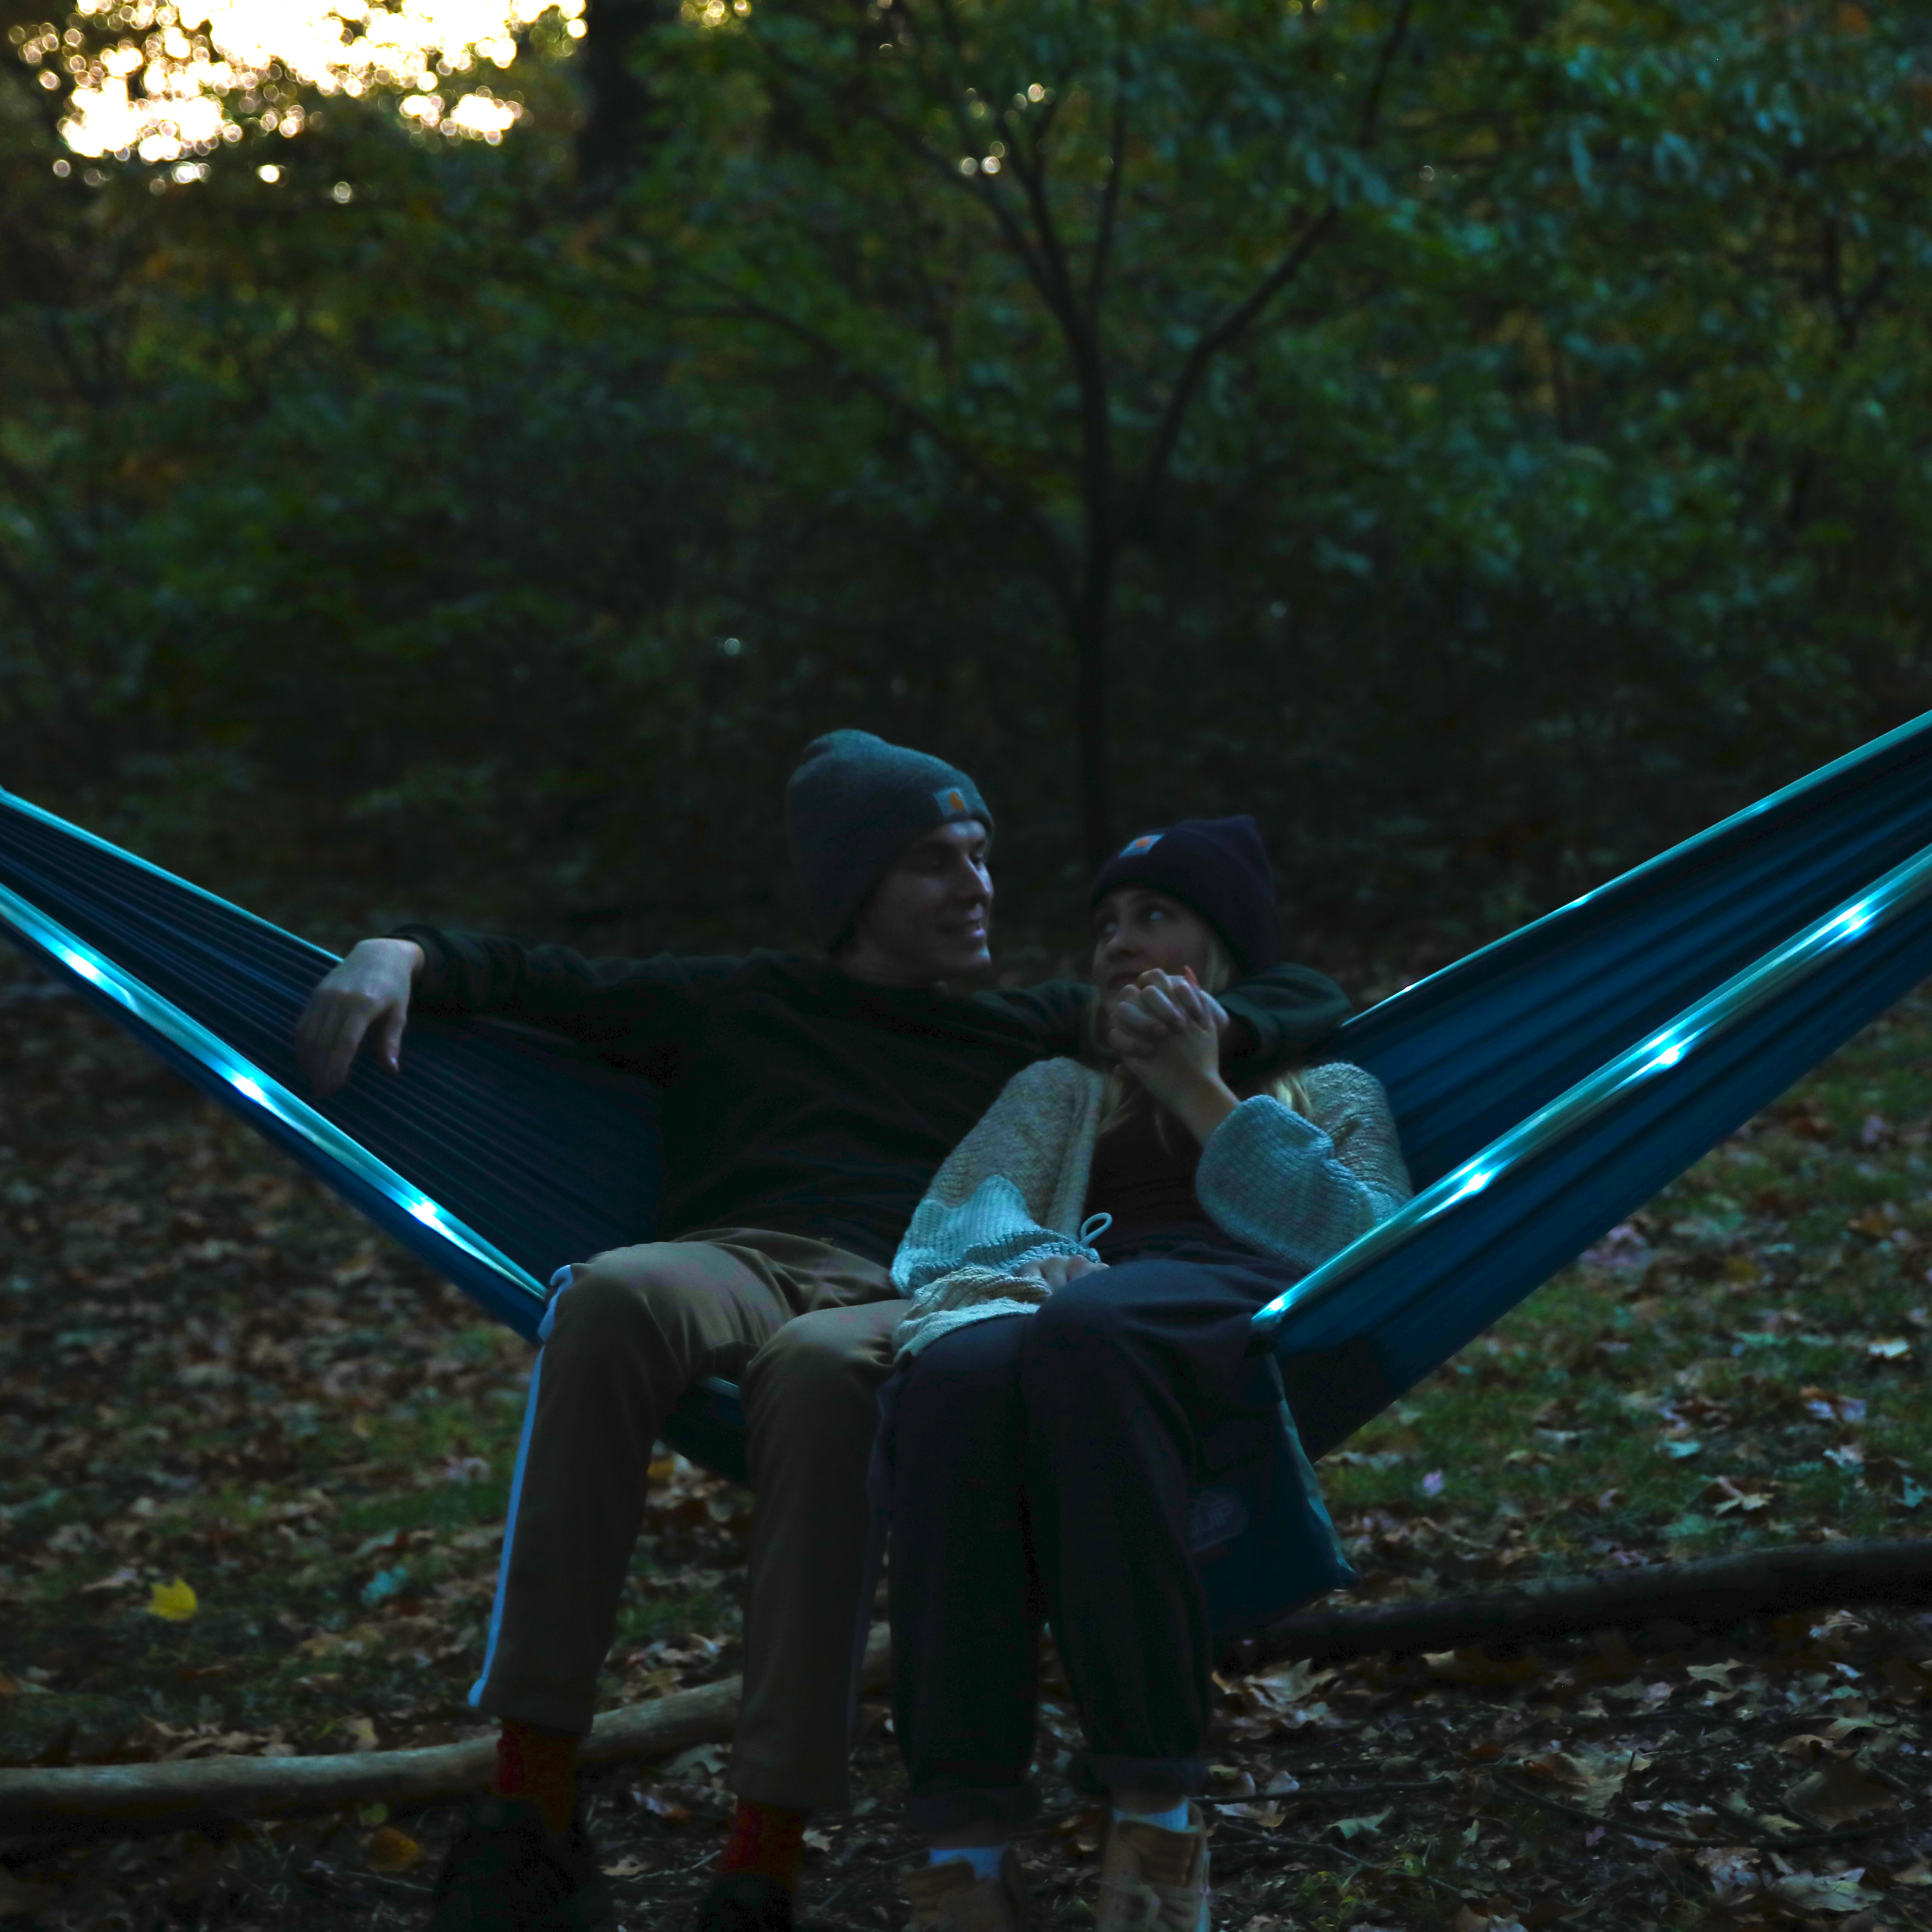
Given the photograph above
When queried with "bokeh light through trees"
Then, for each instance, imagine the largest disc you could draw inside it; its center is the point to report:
(165, 80)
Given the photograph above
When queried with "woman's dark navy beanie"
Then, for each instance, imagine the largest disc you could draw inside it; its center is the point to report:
(1217, 866)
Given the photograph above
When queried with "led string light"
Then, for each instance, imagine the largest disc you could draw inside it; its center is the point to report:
(259, 1088)
(1719, 1010)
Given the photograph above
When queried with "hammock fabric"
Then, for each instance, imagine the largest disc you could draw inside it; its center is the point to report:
(516, 1153)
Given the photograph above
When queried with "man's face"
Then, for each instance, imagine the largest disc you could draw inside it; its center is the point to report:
(928, 917)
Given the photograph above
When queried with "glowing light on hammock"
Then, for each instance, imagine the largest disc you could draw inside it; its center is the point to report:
(259, 1088)
(1905, 885)
(84, 966)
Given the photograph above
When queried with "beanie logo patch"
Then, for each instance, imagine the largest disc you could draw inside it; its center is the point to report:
(1146, 842)
(951, 801)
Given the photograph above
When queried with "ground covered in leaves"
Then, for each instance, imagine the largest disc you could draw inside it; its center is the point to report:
(255, 1461)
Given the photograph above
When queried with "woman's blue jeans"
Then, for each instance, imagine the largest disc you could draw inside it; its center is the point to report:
(1039, 1469)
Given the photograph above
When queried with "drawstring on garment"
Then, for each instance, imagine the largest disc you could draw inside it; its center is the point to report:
(1092, 1228)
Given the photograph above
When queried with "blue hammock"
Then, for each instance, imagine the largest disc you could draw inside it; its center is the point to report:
(502, 1154)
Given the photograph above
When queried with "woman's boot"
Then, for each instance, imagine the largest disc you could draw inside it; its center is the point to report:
(948, 1898)
(1153, 1879)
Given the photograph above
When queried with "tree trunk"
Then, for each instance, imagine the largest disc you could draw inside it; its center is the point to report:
(1097, 790)
(617, 98)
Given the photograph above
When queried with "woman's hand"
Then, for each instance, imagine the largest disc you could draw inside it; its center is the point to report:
(366, 996)
(1167, 1033)
(1147, 1018)
(1056, 1270)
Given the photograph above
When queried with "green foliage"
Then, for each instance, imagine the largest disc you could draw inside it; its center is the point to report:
(1486, 440)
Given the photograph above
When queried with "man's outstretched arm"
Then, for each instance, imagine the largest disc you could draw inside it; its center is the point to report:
(365, 996)
(1274, 1018)
(640, 1013)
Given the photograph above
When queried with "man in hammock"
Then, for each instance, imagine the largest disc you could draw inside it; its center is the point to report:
(807, 1103)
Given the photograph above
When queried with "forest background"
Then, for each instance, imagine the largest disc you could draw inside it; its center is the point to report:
(450, 461)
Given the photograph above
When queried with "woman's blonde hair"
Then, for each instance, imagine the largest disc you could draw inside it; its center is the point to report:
(1126, 1096)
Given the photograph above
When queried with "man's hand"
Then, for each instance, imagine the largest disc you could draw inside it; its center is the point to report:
(1152, 1014)
(1056, 1270)
(1182, 1069)
(367, 997)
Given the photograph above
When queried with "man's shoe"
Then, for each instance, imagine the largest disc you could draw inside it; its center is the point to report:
(507, 1872)
(948, 1898)
(1153, 1879)
(744, 1901)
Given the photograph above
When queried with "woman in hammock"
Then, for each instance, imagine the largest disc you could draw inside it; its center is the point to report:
(1055, 1402)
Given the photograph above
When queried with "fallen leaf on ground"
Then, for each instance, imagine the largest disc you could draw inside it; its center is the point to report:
(1814, 1891)
(1718, 1675)
(1839, 1793)
(390, 1850)
(1362, 1827)
(1476, 1665)
(1829, 1407)
(1747, 1493)
(1468, 1921)
(1290, 1683)
(1806, 1744)
(215, 1744)
(175, 1602)
(658, 1806)
(1590, 1778)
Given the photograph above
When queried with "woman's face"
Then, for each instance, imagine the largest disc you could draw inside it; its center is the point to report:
(1136, 929)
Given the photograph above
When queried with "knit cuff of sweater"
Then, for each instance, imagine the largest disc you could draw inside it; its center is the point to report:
(1239, 1180)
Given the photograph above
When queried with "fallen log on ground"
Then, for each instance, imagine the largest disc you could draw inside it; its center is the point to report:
(137, 1797)
(1710, 1594)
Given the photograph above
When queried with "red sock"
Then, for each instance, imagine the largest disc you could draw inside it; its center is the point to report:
(540, 1765)
(767, 1839)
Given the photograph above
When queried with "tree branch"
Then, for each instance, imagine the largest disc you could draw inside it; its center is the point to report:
(119, 1799)
(1234, 324)
(742, 307)
(1372, 101)
(1230, 329)
(1712, 1594)
(1110, 202)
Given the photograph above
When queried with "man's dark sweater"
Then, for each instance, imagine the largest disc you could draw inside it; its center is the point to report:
(798, 1099)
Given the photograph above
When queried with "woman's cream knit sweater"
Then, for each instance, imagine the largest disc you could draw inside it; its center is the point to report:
(1297, 1189)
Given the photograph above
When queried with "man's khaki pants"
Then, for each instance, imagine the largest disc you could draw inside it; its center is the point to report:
(804, 1329)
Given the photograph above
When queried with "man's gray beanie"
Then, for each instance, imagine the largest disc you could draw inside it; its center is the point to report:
(854, 804)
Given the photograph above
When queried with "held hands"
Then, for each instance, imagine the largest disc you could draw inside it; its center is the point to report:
(365, 996)
(1167, 1033)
